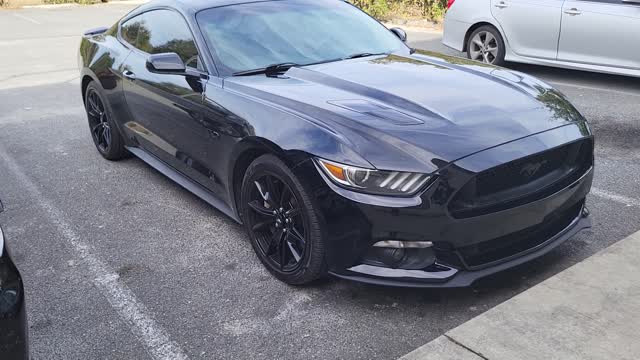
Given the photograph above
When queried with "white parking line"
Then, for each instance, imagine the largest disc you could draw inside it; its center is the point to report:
(122, 299)
(595, 88)
(27, 18)
(615, 197)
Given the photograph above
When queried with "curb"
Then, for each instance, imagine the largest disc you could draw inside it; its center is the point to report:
(414, 28)
(590, 311)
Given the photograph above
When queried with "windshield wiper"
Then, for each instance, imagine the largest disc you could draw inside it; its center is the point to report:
(271, 70)
(279, 69)
(361, 55)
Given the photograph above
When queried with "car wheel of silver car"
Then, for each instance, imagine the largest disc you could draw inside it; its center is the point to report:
(486, 45)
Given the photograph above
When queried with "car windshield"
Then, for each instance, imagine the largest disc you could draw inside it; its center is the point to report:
(253, 36)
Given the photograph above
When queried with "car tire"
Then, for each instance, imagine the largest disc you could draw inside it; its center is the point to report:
(485, 44)
(278, 212)
(104, 131)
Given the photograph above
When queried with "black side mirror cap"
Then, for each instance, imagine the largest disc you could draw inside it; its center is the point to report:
(401, 34)
(1, 207)
(167, 63)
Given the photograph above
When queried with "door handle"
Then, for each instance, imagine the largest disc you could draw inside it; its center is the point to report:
(214, 134)
(501, 5)
(573, 12)
(129, 75)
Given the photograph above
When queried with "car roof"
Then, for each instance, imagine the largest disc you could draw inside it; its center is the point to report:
(193, 6)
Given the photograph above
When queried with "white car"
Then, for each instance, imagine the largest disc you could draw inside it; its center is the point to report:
(595, 35)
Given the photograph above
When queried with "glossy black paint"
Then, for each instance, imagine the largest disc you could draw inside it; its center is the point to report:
(14, 342)
(446, 116)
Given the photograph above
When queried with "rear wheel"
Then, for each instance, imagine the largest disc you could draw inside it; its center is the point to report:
(282, 222)
(104, 132)
(485, 44)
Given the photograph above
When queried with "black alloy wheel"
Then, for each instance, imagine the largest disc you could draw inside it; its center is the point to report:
(106, 136)
(100, 128)
(277, 223)
(282, 223)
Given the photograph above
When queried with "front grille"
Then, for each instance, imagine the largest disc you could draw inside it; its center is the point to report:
(523, 181)
(488, 252)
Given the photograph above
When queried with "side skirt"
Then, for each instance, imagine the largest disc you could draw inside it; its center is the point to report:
(603, 69)
(184, 181)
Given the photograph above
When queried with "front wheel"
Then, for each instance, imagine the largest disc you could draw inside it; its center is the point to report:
(284, 227)
(485, 44)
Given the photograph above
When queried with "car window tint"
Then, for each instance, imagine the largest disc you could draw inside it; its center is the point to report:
(163, 31)
(130, 28)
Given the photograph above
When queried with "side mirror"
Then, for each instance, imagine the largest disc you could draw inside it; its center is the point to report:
(1, 206)
(401, 34)
(167, 63)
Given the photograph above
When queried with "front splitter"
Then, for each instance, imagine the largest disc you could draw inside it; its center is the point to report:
(465, 278)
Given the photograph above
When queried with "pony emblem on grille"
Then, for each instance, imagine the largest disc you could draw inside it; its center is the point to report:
(530, 169)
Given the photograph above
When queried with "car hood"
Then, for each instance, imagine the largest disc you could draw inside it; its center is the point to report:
(415, 112)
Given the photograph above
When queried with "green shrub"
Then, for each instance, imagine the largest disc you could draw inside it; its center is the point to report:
(382, 9)
(376, 8)
(81, 2)
(437, 9)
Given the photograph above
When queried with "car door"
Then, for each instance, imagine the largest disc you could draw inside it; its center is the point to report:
(167, 109)
(531, 27)
(601, 32)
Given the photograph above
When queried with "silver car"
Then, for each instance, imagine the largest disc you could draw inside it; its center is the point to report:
(595, 35)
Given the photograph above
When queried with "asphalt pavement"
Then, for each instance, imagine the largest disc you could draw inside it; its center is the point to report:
(121, 263)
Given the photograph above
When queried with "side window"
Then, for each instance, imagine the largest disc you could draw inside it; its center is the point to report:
(164, 31)
(129, 30)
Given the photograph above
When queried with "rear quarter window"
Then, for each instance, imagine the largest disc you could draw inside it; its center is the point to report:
(130, 28)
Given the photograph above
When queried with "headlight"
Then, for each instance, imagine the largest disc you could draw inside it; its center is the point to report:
(374, 181)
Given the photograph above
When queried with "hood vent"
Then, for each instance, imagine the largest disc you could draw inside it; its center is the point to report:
(377, 111)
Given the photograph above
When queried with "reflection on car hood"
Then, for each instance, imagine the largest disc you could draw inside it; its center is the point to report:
(426, 109)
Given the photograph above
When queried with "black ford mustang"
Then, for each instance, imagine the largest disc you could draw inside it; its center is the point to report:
(341, 149)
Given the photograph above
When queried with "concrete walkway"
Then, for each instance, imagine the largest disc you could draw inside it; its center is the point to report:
(589, 311)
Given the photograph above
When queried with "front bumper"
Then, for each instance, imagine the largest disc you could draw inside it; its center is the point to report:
(454, 33)
(466, 246)
(355, 227)
(455, 278)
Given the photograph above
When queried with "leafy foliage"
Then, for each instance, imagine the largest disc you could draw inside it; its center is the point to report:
(383, 9)
(81, 2)
(54, 2)
(376, 8)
